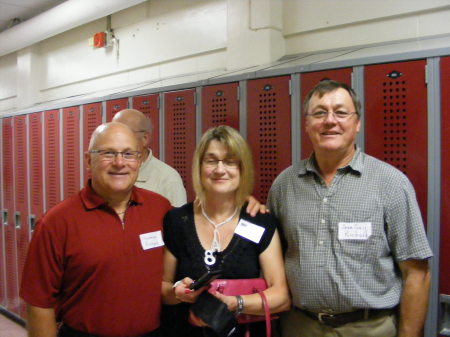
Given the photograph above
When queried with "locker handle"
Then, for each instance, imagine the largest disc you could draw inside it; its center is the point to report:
(32, 222)
(5, 217)
(444, 301)
(17, 219)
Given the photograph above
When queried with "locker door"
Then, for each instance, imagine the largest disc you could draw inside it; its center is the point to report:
(71, 151)
(269, 131)
(220, 106)
(21, 195)
(307, 82)
(52, 171)
(444, 268)
(12, 290)
(92, 117)
(149, 106)
(180, 131)
(396, 120)
(2, 234)
(114, 106)
(36, 169)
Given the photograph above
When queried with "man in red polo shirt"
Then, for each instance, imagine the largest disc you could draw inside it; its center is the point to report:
(95, 259)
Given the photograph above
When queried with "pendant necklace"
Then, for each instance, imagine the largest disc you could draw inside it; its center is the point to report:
(215, 245)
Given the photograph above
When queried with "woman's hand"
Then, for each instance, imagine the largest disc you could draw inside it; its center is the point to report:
(184, 294)
(230, 301)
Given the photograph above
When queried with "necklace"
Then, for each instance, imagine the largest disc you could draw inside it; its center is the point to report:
(215, 245)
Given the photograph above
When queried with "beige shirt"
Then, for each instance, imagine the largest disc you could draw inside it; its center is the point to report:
(161, 178)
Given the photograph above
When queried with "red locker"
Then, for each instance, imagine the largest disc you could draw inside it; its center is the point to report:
(21, 196)
(36, 172)
(396, 120)
(12, 290)
(52, 155)
(220, 106)
(444, 277)
(269, 130)
(2, 236)
(114, 106)
(71, 152)
(149, 106)
(180, 131)
(92, 117)
(307, 82)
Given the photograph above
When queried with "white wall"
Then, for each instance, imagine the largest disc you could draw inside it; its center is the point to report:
(163, 42)
(316, 25)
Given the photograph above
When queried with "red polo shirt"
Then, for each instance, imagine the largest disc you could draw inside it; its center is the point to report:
(99, 274)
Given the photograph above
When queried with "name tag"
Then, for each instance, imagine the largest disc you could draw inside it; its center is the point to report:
(249, 231)
(151, 240)
(354, 230)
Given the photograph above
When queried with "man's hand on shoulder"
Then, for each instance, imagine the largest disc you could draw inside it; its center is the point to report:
(254, 206)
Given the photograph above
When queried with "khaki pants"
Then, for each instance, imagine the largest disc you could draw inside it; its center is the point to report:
(296, 324)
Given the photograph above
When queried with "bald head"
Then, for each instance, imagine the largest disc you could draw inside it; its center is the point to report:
(106, 130)
(135, 119)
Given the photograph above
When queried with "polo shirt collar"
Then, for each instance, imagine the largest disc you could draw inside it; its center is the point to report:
(310, 165)
(91, 200)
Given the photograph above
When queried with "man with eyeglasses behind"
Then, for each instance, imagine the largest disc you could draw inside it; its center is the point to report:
(95, 259)
(356, 246)
(154, 174)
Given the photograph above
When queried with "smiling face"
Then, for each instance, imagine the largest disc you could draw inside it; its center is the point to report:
(329, 134)
(222, 178)
(112, 179)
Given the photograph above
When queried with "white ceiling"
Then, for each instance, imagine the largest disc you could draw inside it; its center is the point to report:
(15, 11)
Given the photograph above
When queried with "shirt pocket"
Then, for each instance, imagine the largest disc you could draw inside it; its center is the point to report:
(362, 251)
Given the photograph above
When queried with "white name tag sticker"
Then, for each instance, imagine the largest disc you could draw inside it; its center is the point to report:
(249, 230)
(151, 240)
(354, 230)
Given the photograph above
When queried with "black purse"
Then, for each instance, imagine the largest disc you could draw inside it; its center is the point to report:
(215, 313)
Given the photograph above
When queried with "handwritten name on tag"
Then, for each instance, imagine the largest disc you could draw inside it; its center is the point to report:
(249, 230)
(354, 230)
(151, 240)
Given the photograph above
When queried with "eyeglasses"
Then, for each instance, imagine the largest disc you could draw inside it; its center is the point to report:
(227, 163)
(339, 115)
(108, 155)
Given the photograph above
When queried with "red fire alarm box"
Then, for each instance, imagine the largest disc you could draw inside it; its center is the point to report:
(99, 40)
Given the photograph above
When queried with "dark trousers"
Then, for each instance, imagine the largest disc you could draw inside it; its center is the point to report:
(66, 331)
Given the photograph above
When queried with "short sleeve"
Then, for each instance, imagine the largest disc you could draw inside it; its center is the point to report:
(42, 273)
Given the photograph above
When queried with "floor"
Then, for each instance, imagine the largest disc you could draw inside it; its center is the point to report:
(9, 328)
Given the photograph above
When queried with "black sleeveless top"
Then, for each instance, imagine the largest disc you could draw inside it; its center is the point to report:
(240, 259)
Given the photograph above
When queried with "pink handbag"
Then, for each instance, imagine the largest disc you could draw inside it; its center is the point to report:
(233, 287)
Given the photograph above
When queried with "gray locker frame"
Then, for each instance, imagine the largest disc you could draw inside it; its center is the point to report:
(434, 188)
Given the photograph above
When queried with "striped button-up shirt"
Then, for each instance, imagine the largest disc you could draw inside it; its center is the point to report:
(344, 240)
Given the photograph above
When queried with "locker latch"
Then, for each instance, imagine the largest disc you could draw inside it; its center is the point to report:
(444, 301)
(17, 219)
(32, 222)
(5, 217)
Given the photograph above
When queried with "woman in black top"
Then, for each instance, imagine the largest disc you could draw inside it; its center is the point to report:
(214, 232)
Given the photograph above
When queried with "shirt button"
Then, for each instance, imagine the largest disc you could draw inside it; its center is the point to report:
(325, 199)
(322, 220)
(320, 242)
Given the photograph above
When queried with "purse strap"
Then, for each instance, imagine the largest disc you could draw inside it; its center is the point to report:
(266, 314)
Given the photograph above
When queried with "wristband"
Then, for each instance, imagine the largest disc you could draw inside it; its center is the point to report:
(240, 305)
